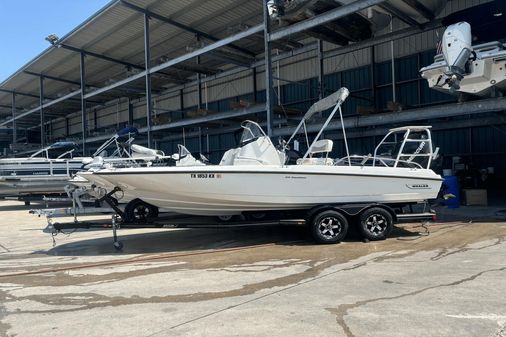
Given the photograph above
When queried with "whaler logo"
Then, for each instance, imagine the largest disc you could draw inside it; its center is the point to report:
(418, 186)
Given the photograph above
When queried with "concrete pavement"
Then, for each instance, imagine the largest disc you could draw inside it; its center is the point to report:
(250, 282)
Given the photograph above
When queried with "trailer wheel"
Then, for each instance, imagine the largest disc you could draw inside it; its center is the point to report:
(329, 227)
(225, 218)
(375, 223)
(138, 210)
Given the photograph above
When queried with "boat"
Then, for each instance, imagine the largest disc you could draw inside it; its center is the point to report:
(125, 154)
(462, 68)
(255, 176)
(48, 170)
(471, 58)
(45, 171)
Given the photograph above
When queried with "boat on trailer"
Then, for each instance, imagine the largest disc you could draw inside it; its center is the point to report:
(254, 177)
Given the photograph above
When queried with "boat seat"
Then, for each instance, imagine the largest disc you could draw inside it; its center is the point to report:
(229, 157)
(321, 146)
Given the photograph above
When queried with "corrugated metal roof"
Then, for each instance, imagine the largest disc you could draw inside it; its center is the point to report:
(117, 31)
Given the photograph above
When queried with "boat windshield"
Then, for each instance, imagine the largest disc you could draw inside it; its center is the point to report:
(251, 131)
(183, 151)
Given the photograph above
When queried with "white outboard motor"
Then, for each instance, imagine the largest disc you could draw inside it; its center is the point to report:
(457, 49)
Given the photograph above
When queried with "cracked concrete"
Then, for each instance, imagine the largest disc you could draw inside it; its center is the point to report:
(251, 282)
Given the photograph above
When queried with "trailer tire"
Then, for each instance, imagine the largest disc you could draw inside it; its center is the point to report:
(375, 223)
(140, 211)
(225, 218)
(329, 227)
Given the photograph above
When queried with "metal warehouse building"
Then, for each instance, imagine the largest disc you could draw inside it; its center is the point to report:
(189, 71)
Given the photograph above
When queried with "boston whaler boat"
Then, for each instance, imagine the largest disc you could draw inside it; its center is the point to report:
(254, 178)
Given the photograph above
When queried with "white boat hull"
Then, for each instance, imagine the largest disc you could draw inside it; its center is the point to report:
(222, 190)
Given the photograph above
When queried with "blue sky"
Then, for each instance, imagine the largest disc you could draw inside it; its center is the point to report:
(25, 23)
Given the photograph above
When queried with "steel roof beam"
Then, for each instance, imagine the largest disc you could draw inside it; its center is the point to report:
(52, 77)
(45, 105)
(400, 34)
(194, 121)
(181, 26)
(113, 60)
(420, 8)
(171, 78)
(178, 60)
(20, 93)
(210, 47)
(285, 44)
(37, 96)
(397, 35)
(324, 18)
(431, 112)
(439, 126)
(10, 107)
(400, 15)
(376, 131)
(230, 58)
(100, 56)
(197, 68)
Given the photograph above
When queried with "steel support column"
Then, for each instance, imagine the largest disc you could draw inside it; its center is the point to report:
(130, 113)
(321, 88)
(147, 61)
(83, 100)
(199, 82)
(14, 129)
(268, 69)
(392, 52)
(41, 111)
(373, 77)
(255, 90)
(181, 99)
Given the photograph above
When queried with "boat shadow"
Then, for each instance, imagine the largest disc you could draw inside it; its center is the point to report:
(183, 240)
(199, 239)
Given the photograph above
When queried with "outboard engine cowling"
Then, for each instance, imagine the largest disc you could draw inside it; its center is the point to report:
(457, 49)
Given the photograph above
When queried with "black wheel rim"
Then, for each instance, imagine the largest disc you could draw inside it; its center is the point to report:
(329, 227)
(141, 212)
(376, 224)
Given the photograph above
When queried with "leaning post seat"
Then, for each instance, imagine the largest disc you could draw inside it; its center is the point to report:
(321, 146)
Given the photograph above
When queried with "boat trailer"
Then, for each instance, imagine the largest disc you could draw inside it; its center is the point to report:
(320, 219)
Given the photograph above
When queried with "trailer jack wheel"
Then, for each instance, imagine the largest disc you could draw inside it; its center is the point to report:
(118, 245)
